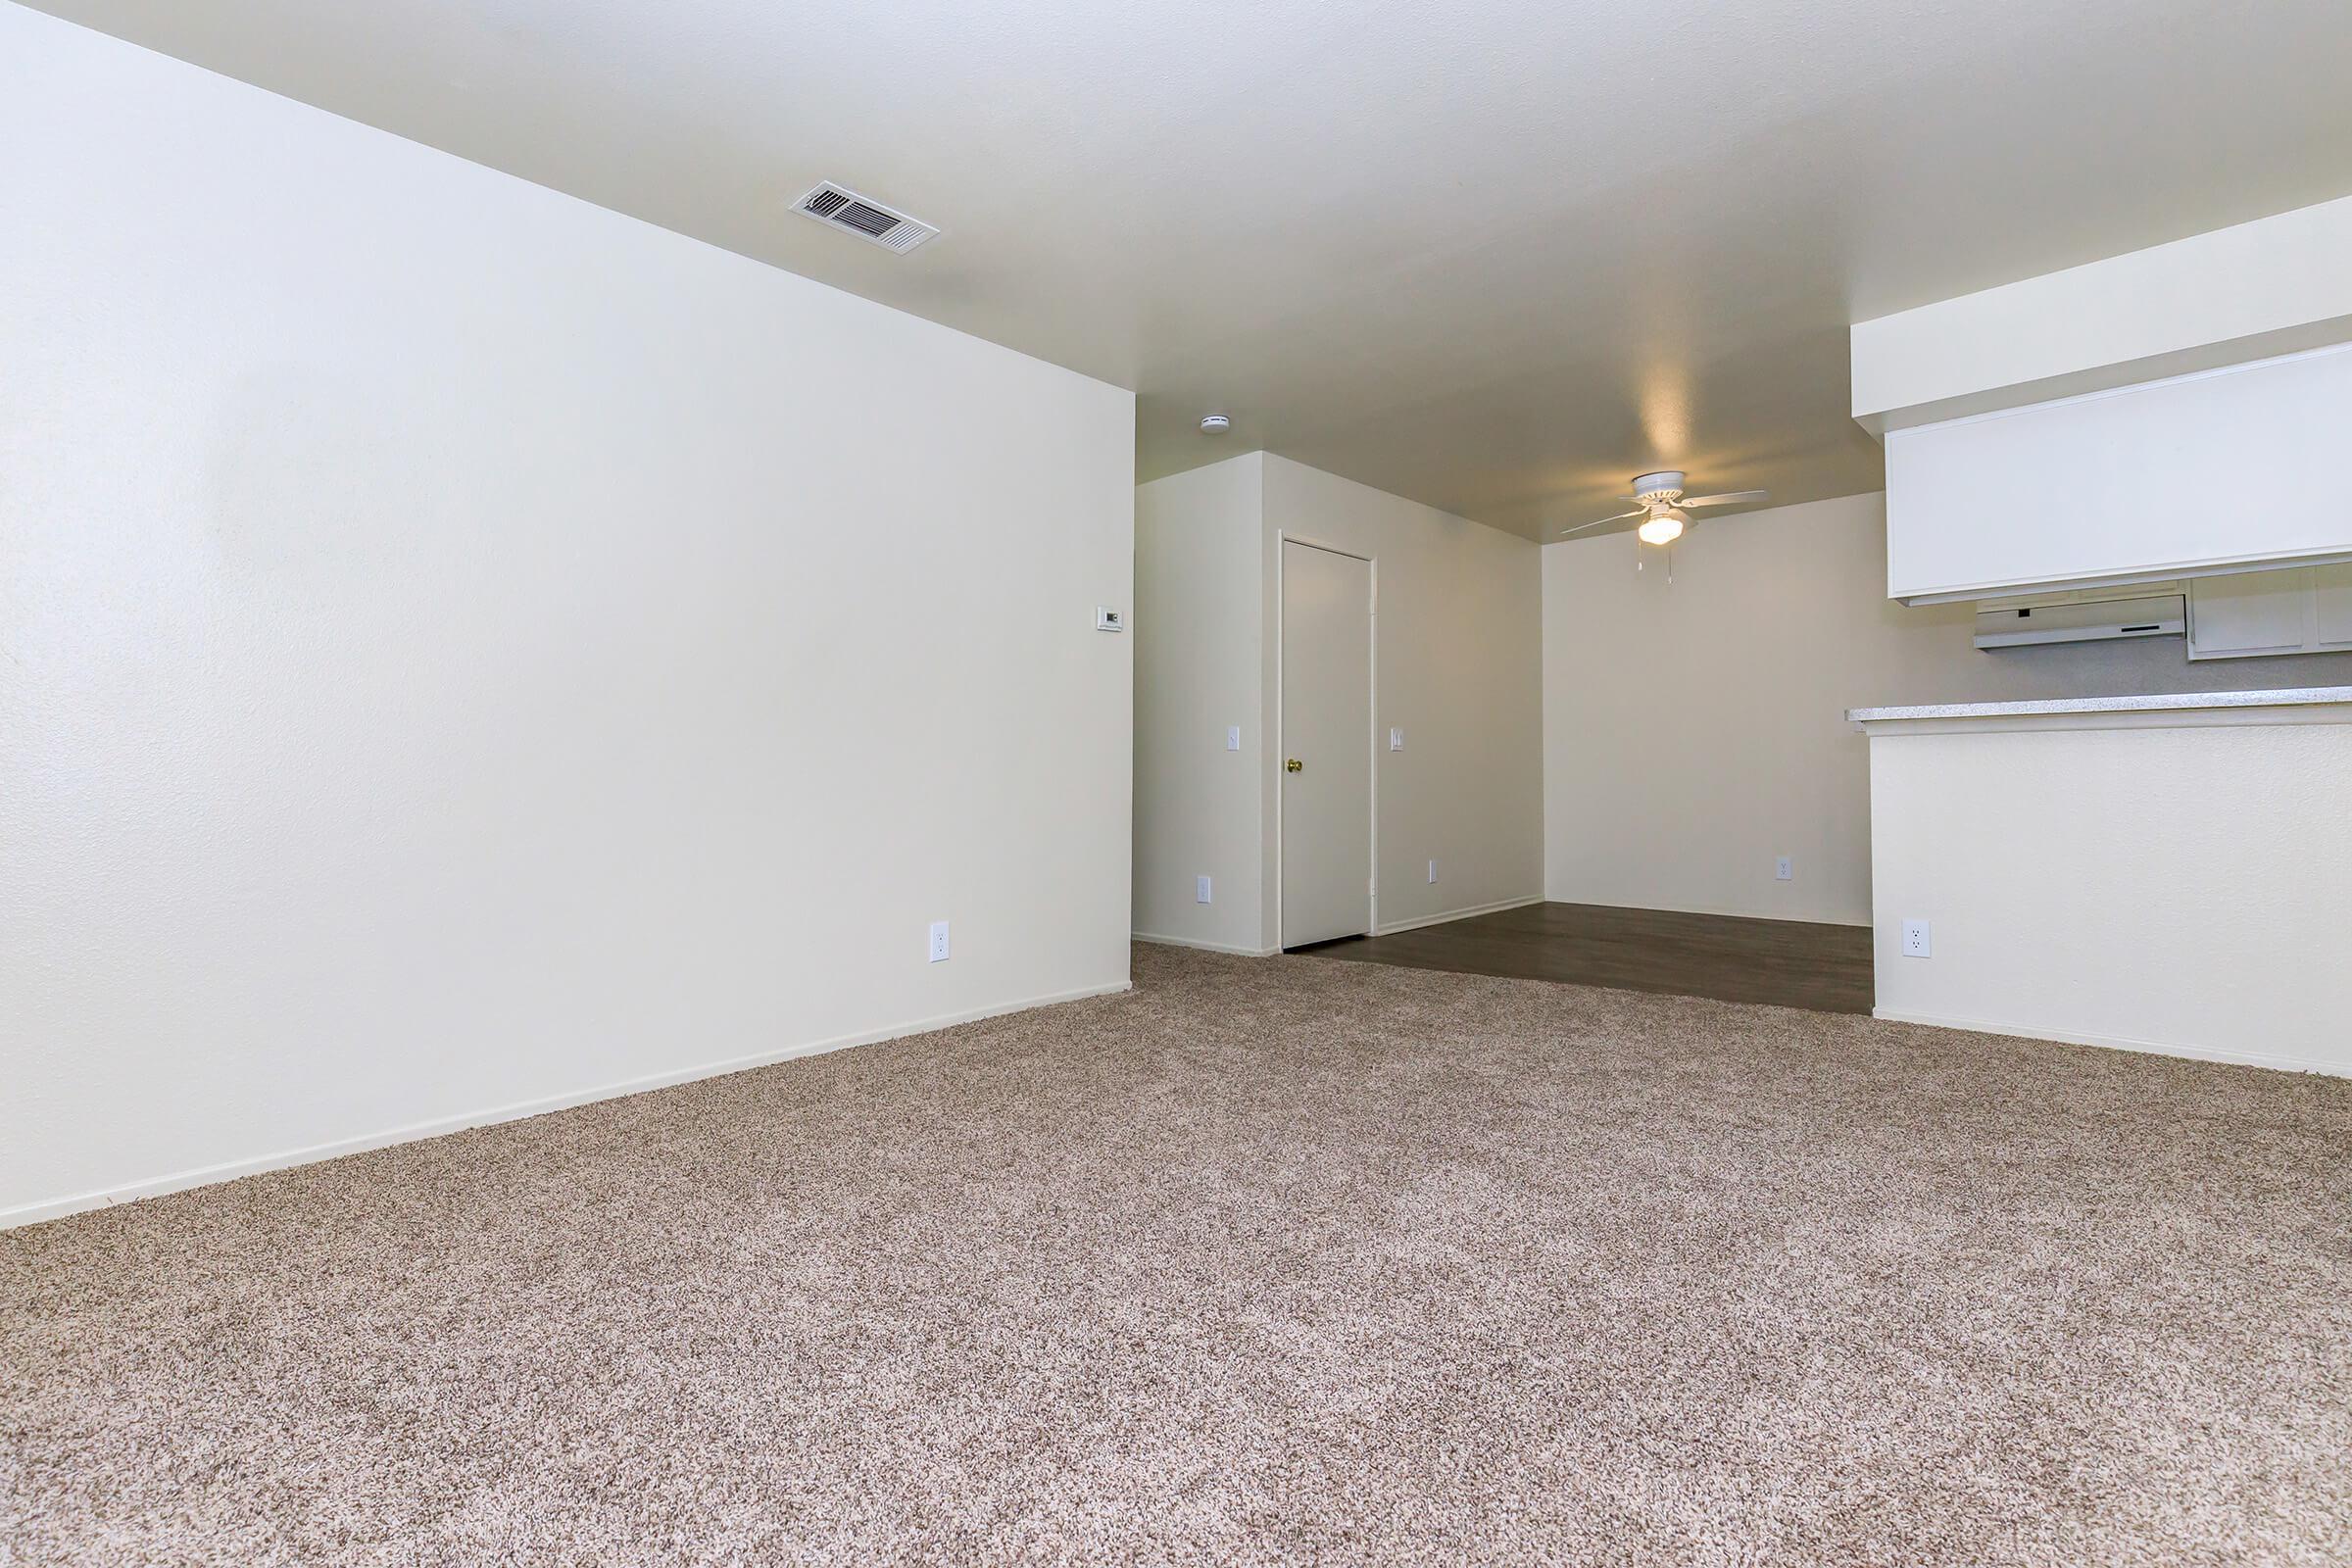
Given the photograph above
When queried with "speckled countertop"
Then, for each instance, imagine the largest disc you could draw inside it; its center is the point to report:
(2286, 697)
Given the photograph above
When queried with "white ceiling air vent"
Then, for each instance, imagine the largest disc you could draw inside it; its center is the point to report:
(869, 220)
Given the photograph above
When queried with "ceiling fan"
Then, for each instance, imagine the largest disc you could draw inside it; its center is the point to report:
(1662, 509)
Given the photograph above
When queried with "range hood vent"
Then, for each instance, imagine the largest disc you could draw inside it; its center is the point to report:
(2097, 621)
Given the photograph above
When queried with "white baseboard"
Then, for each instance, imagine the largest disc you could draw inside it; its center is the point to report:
(2153, 1047)
(1392, 927)
(208, 1175)
(1204, 946)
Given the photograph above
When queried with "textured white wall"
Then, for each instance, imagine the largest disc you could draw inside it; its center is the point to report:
(1459, 663)
(1695, 731)
(460, 648)
(2183, 889)
(1199, 645)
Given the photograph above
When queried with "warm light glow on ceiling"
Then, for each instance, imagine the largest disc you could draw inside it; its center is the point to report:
(1665, 401)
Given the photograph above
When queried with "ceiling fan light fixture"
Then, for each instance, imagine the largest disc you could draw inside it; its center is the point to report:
(1662, 527)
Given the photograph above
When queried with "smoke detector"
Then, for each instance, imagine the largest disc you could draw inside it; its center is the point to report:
(838, 206)
(1215, 424)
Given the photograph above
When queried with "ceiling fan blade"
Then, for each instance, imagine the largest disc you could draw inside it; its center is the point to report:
(1728, 498)
(1638, 512)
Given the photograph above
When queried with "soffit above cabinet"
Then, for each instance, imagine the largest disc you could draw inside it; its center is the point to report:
(2278, 285)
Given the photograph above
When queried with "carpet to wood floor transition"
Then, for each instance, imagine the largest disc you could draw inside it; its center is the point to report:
(1271, 1261)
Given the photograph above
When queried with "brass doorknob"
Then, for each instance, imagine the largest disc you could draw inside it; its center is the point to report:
(1292, 766)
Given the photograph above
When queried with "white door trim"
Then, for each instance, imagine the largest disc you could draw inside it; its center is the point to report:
(1371, 685)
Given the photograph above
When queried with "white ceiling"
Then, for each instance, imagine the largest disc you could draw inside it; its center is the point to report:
(1494, 257)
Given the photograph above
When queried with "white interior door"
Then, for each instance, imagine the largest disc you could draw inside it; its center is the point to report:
(1326, 745)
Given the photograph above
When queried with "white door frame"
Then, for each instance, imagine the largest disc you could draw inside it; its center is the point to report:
(1371, 685)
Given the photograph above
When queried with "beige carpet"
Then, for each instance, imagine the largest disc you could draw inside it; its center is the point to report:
(1285, 1261)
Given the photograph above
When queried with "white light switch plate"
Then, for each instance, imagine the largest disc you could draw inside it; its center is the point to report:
(1433, 871)
(1915, 940)
(1233, 737)
(1396, 740)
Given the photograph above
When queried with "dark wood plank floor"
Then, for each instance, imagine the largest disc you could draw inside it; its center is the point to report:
(1788, 963)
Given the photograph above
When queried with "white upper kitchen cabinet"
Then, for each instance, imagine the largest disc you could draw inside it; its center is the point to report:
(2215, 471)
(2250, 614)
(2331, 606)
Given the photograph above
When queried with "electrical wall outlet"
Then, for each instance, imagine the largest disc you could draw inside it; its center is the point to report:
(1233, 737)
(1433, 871)
(1784, 869)
(1200, 890)
(1916, 941)
(939, 941)
(1396, 740)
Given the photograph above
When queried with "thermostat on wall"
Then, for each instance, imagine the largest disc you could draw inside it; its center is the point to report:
(1108, 619)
